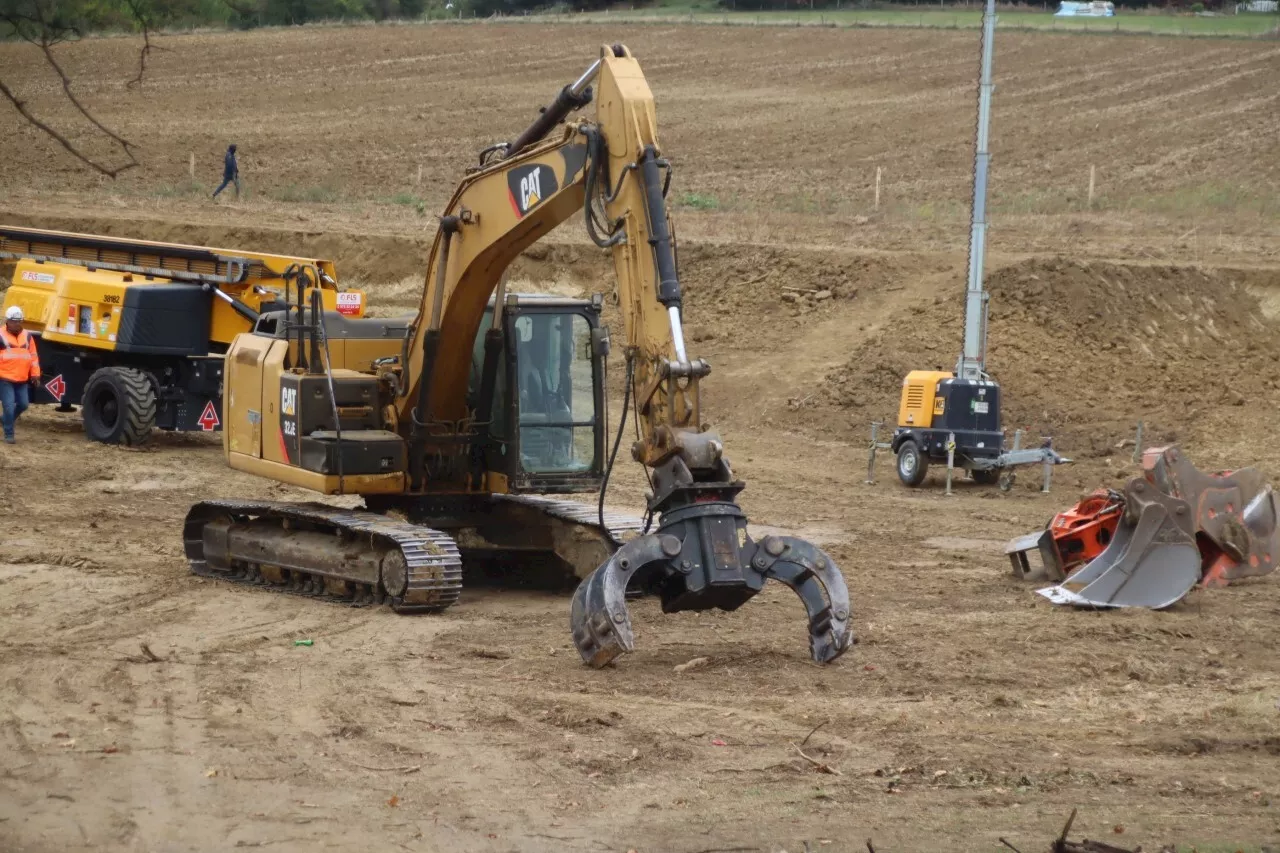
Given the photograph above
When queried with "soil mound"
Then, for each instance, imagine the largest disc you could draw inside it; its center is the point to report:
(1084, 350)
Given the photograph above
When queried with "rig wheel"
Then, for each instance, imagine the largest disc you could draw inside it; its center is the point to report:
(119, 406)
(912, 464)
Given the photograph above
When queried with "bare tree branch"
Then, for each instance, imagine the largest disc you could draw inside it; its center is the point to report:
(148, 24)
(62, 140)
(44, 31)
(66, 88)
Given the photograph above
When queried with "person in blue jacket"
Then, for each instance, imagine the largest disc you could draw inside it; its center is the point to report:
(230, 172)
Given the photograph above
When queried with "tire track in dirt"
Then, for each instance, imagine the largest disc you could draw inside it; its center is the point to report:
(162, 772)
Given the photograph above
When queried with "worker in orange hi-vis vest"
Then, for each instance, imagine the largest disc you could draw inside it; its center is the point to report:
(19, 368)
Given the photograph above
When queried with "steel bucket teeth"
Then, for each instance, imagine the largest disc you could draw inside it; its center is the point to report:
(1041, 542)
(601, 624)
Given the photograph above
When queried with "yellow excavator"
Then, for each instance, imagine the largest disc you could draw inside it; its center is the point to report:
(462, 427)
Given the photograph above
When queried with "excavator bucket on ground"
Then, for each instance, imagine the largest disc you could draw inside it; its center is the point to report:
(1179, 527)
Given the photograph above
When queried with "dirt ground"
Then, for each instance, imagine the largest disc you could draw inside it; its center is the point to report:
(145, 709)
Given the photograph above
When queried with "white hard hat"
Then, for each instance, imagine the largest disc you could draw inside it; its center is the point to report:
(13, 313)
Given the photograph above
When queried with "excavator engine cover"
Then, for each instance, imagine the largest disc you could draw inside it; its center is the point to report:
(1180, 527)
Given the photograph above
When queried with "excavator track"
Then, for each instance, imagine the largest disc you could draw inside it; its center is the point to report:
(355, 557)
(619, 527)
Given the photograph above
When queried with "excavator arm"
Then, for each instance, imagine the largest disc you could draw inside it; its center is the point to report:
(516, 199)
(701, 555)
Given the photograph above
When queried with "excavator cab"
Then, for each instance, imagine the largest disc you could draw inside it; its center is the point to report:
(546, 428)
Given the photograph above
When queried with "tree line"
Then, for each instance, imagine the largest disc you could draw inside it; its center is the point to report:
(70, 18)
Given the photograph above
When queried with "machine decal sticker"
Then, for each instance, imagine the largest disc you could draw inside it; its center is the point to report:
(289, 423)
(57, 387)
(529, 185)
(209, 418)
(349, 303)
(41, 277)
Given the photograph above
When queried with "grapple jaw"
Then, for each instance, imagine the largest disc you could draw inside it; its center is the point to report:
(701, 557)
(1180, 527)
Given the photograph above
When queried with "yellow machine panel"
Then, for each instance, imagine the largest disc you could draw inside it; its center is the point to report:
(920, 403)
(253, 437)
(82, 305)
(242, 381)
(133, 331)
(70, 304)
(360, 353)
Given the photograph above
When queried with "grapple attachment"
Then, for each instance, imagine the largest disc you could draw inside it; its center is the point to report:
(1179, 527)
(700, 558)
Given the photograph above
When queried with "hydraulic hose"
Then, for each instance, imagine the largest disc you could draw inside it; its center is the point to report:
(594, 169)
(617, 441)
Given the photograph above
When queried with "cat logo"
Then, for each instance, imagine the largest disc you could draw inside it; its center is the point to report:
(288, 401)
(529, 186)
(530, 189)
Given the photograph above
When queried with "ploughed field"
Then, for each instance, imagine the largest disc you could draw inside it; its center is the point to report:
(969, 710)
